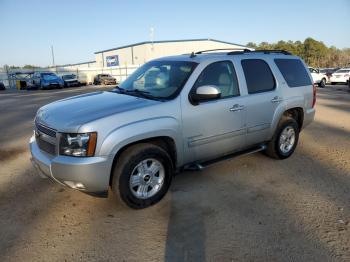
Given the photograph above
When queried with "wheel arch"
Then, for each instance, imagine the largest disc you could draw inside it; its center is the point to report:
(165, 142)
(296, 112)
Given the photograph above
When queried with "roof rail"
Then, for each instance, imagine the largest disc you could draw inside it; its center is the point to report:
(260, 51)
(221, 49)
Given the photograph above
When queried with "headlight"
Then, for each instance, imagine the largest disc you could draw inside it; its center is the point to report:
(78, 144)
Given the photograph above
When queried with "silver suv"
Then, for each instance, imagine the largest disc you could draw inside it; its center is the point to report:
(172, 114)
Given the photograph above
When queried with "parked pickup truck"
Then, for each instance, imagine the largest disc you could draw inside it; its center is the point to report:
(174, 113)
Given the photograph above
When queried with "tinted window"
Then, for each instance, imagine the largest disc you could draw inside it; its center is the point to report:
(294, 72)
(222, 75)
(258, 76)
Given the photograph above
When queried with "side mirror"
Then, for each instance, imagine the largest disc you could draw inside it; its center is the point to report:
(205, 93)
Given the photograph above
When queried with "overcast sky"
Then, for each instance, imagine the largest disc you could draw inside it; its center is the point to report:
(79, 28)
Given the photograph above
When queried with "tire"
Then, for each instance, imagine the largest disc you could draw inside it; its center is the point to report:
(322, 83)
(140, 157)
(41, 87)
(274, 146)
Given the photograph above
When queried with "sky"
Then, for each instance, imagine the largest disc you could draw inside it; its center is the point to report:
(78, 28)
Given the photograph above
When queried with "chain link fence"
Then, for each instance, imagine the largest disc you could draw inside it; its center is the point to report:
(10, 76)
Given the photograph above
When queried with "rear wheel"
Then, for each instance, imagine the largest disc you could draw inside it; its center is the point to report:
(142, 175)
(285, 139)
(322, 83)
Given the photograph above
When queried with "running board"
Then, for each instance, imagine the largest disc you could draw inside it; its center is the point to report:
(201, 166)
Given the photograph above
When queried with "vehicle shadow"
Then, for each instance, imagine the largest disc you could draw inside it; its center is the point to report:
(258, 209)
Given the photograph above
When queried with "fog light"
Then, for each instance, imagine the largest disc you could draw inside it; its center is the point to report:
(75, 185)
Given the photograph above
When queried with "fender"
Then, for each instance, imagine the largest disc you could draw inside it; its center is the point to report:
(140, 130)
(288, 103)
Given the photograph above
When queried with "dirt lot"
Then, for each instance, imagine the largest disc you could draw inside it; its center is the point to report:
(248, 209)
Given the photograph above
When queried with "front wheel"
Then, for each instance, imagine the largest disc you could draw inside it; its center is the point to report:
(285, 139)
(142, 175)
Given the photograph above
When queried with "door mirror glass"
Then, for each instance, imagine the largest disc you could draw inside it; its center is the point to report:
(205, 93)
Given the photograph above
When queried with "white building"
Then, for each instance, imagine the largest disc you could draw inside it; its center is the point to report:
(139, 53)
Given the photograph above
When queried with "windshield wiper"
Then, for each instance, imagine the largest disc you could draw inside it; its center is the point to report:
(137, 92)
(141, 93)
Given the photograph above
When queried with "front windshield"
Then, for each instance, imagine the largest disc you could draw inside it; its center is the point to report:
(159, 79)
(49, 76)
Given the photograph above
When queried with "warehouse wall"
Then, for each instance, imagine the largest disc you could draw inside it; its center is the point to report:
(143, 53)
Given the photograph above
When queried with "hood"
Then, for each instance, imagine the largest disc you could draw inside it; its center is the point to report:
(69, 114)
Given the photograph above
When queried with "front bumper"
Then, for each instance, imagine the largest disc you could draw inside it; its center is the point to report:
(72, 83)
(51, 85)
(87, 174)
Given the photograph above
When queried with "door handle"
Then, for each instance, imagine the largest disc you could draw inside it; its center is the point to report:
(236, 108)
(276, 99)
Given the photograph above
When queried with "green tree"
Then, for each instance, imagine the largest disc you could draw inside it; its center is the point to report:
(30, 67)
(314, 53)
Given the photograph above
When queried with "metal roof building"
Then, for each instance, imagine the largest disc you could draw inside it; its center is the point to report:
(139, 53)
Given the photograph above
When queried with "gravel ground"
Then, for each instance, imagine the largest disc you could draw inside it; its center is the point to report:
(251, 208)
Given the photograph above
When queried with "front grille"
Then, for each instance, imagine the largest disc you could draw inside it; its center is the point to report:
(46, 138)
(46, 130)
(46, 146)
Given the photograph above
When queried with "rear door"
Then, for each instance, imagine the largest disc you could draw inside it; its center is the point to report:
(263, 98)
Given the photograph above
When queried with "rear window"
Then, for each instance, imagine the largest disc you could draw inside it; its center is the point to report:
(258, 76)
(294, 72)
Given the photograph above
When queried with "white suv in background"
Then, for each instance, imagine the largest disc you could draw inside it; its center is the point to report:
(341, 76)
(318, 77)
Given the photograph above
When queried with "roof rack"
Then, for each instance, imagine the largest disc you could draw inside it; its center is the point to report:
(193, 54)
(221, 49)
(259, 51)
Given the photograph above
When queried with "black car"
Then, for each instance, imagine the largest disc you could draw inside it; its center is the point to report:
(70, 80)
(2, 86)
(104, 79)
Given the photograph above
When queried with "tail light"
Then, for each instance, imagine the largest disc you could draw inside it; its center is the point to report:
(313, 95)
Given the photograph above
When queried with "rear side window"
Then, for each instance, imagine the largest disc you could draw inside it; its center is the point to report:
(258, 76)
(294, 72)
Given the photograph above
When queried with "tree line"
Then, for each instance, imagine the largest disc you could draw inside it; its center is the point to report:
(314, 53)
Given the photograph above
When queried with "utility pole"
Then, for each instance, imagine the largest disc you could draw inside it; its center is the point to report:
(53, 56)
(151, 35)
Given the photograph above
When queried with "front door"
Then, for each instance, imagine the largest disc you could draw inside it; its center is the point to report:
(214, 128)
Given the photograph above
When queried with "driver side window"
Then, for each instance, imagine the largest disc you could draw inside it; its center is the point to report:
(221, 75)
